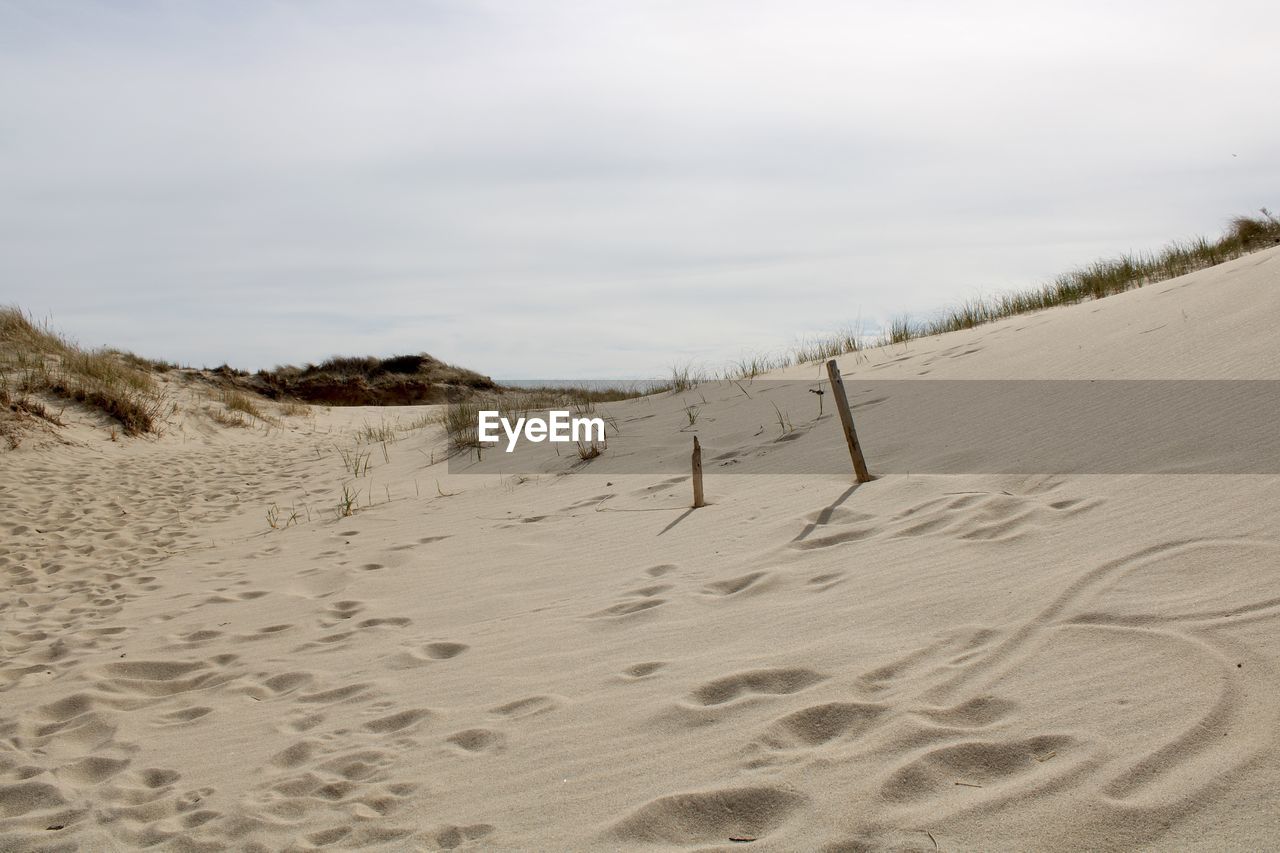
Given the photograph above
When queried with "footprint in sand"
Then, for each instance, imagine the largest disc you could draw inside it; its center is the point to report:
(643, 670)
(183, 716)
(527, 707)
(986, 767)
(763, 682)
(386, 621)
(425, 655)
(753, 581)
(477, 740)
(819, 724)
(824, 582)
(649, 591)
(707, 817)
(398, 722)
(624, 609)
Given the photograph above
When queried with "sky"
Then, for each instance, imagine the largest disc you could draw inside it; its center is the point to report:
(599, 189)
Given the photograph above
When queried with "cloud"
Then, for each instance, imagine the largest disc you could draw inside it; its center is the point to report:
(573, 188)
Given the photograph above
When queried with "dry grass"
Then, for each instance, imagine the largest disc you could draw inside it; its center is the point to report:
(374, 433)
(107, 381)
(1099, 279)
(684, 377)
(461, 422)
(226, 418)
(401, 380)
(587, 452)
(1092, 281)
(237, 402)
(239, 410)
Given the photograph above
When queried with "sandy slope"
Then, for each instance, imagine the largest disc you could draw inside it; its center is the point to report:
(573, 662)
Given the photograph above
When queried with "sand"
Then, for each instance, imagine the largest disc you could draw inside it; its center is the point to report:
(572, 661)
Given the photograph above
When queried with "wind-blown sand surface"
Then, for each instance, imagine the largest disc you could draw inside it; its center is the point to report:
(920, 663)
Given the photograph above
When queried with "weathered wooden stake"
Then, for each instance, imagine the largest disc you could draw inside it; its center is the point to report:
(846, 420)
(697, 474)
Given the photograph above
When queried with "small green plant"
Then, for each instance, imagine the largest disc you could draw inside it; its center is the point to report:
(684, 377)
(822, 348)
(274, 516)
(371, 434)
(784, 419)
(461, 421)
(356, 461)
(692, 412)
(901, 330)
(348, 501)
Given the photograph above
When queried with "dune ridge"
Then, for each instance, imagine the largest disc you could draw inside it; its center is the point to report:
(575, 661)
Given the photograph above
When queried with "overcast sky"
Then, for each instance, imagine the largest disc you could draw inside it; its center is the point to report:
(599, 189)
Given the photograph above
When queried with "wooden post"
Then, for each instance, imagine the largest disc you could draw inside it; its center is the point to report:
(846, 420)
(697, 474)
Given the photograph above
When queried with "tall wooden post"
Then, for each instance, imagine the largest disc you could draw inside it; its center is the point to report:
(697, 474)
(846, 420)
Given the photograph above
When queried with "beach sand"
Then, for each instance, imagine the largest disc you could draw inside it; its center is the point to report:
(571, 661)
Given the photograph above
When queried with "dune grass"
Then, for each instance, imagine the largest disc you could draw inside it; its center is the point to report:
(107, 381)
(374, 433)
(1092, 281)
(1097, 280)
(238, 402)
(367, 381)
(228, 418)
(15, 409)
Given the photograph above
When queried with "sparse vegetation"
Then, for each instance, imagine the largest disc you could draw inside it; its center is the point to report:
(784, 419)
(683, 378)
(461, 423)
(227, 418)
(274, 517)
(368, 381)
(356, 461)
(105, 380)
(822, 348)
(347, 502)
(238, 402)
(1099, 279)
(587, 452)
(1093, 281)
(371, 434)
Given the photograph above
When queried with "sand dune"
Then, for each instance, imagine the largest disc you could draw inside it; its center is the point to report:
(573, 661)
